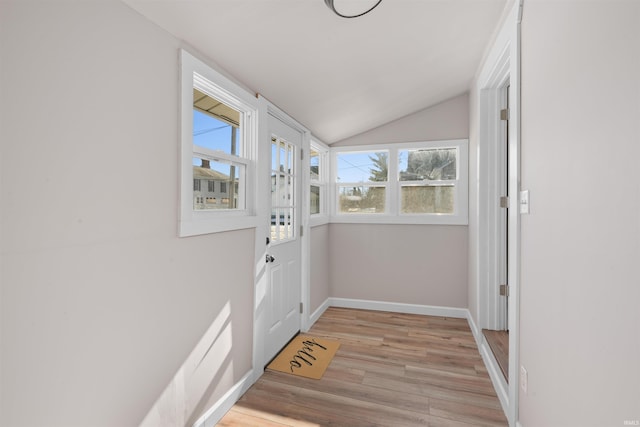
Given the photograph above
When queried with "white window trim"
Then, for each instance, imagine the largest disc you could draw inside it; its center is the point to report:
(324, 172)
(195, 73)
(393, 215)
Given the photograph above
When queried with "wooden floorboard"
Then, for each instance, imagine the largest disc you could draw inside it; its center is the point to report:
(499, 344)
(391, 370)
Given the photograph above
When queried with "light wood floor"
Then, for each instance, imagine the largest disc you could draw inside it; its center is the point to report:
(391, 370)
(499, 343)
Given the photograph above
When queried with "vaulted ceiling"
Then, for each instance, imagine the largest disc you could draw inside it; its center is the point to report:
(338, 77)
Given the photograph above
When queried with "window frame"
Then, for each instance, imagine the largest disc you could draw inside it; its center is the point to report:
(197, 74)
(370, 149)
(322, 182)
(393, 214)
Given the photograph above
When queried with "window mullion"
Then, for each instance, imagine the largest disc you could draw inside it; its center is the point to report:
(393, 200)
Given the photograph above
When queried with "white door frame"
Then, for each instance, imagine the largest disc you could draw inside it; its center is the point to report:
(265, 109)
(502, 66)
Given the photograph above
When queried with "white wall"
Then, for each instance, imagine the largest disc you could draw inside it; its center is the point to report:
(580, 288)
(446, 120)
(413, 264)
(473, 227)
(100, 301)
(320, 267)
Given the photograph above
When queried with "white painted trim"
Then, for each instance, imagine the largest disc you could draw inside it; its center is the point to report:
(427, 310)
(497, 379)
(318, 312)
(196, 73)
(305, 215)
(491, 137)
(324, 174)
(503, 59)
(393, 186)
(226, 402)
(266, 109)
(424, 219)
(317, 220)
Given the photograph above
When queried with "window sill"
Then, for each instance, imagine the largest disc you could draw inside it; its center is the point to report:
(317, 220)
(216, 225)
(436, 219)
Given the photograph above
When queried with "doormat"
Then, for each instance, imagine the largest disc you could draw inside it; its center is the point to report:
(305, 356)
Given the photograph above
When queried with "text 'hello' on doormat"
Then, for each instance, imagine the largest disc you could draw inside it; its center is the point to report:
(305, 356)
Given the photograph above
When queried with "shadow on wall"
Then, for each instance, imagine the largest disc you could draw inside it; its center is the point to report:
(187, 395)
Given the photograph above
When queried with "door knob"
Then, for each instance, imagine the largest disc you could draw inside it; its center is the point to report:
(270, 258)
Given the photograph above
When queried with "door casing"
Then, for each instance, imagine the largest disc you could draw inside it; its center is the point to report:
(501, 66)
(263, 201)
(285, 246)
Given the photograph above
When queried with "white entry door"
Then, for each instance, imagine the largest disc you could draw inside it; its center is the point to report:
(284, 253)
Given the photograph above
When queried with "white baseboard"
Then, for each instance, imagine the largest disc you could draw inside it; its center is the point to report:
(226, 402)
(427, 310)
(319, 311)
(499, 383)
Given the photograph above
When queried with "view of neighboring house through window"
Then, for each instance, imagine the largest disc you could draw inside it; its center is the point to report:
(218, 151)
(216, 148)
(283, 203)
(362, 182)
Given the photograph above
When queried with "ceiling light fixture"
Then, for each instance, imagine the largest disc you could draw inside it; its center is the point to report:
(331, 6)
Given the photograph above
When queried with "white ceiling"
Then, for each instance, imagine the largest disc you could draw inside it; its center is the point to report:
(338, 77)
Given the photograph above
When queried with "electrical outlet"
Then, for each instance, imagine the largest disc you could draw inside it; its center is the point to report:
(524, 379)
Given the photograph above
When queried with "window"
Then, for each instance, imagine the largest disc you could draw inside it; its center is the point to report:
(427, 180)
(218, 147)
(283, 203)
(362, 179)
(412, 183)
(318, 178)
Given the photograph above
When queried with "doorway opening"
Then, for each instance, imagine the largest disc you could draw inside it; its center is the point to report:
(498, 336)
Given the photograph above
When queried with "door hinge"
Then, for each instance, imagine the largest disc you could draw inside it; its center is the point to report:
(301, 308)
(504, 201)
(504, 290)
(301, 231)
(504, 114)
(301, 154)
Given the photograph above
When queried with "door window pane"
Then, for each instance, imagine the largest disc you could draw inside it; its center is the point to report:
(283, 202)
(274, 154)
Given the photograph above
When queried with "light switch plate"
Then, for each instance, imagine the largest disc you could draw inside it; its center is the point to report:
(524, 379)
(524, 202)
